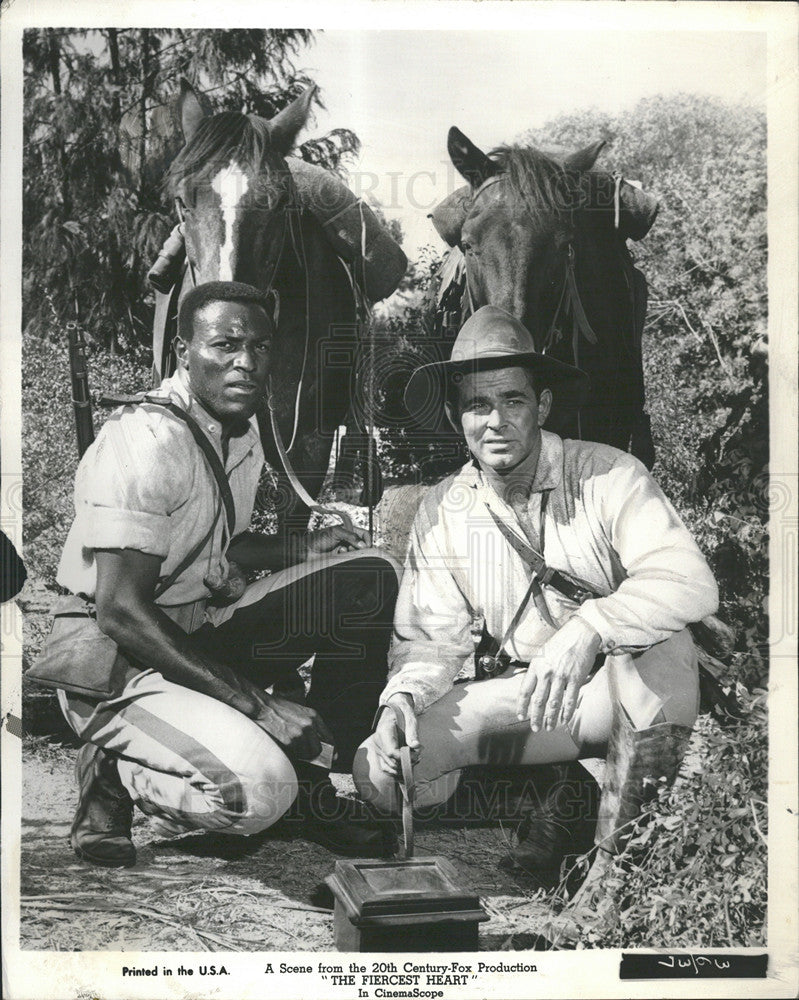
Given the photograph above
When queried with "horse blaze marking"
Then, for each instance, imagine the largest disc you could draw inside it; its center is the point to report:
(231, 185)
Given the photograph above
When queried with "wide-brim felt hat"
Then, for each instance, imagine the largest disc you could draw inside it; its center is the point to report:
(490, 339)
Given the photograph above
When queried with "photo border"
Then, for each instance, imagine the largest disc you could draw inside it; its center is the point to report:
(587, 973)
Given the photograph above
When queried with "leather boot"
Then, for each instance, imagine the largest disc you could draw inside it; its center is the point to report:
(341, 825)
(101, 828)
(556, 824)
(639, 761)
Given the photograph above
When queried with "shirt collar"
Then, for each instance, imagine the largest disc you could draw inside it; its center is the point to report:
(549, 470)
(177, 385)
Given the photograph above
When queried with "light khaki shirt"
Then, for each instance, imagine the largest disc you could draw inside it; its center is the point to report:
(144, 484)
(606, 522)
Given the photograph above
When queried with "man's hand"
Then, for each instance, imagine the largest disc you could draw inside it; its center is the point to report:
(387, 734)
(226, 589)
(298, 729)
(554, 678)
(334, 539)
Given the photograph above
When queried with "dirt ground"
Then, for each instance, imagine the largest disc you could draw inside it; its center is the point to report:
(208, 892)
(214, 893)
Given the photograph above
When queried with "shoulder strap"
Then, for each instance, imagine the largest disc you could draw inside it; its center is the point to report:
(573, 589)
(533, 591)
(208, 450)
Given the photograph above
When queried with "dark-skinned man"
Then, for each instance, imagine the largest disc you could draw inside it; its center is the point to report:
(160, 547)
(583, 574)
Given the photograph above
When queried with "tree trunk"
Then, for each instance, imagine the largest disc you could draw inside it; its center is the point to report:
(116, 71)
(114, 258)
(54, 60)
(145, 89)
(117, 294)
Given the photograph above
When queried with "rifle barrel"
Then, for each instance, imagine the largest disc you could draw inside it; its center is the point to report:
(81, 400)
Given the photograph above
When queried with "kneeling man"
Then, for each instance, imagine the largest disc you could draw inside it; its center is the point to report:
(580, 570)
(158, 550)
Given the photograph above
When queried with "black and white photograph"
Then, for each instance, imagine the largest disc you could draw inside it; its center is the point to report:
(399, 499)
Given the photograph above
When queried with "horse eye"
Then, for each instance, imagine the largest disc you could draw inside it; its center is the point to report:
(466, 246)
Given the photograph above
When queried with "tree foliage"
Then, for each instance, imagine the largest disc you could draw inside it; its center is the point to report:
(100, 128)
(705, 341)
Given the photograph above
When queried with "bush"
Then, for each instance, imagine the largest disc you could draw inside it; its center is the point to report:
(694, 874)
(50, 452)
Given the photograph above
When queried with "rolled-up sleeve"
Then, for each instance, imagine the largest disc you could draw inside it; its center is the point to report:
(432, 624)
(126, 494)
(667, 583)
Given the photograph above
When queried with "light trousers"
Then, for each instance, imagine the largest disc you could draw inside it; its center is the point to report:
(475, 722)
(198, 764)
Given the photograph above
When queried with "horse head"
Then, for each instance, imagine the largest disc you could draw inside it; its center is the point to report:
(295, 229)
(523, 213)
(544, 237)
(234, 190)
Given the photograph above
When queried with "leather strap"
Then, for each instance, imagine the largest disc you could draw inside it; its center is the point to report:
(534, 589)
(208, 450)
(166, 582)
(211, 457)
(578, 313)
(573, 589)
(296, 485)
(570, 299)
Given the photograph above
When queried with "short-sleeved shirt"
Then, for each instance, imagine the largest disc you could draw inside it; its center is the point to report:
(144, 484)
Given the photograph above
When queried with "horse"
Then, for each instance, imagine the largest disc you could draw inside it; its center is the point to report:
(287, 227)
(545, 239)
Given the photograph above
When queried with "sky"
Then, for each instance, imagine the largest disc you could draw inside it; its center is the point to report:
(400, 91)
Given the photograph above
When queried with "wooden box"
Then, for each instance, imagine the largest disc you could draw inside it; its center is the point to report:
(412, 905)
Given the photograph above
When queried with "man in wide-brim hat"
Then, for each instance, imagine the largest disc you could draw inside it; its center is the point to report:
(485, 343)
(583, 578)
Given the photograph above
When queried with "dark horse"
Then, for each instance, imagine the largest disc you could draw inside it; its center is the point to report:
(250, 216)
(546, 240)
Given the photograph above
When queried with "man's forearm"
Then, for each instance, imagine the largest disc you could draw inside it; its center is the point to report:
(147, 635)
(254, 551)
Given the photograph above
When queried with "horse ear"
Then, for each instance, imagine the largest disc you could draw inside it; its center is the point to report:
(470, 162)
(585, 158)
(192, 111)
(285, 126)
(637, 211)
(168, 127)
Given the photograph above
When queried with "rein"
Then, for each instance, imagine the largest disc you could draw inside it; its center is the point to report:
(570, 302)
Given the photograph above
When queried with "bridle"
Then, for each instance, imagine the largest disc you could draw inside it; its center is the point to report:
(296, 239)
(569, 301)
(297, 246)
